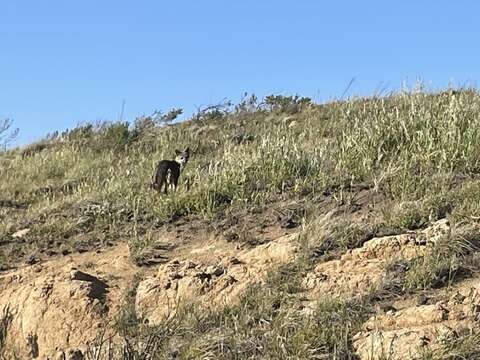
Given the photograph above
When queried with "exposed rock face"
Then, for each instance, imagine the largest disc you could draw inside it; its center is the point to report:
(55, 308)
(403, 334)
(404, 330)
(358, 270)
(51, 305)
(183, 282)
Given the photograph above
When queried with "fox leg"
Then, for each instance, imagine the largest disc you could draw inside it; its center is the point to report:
(175, 183)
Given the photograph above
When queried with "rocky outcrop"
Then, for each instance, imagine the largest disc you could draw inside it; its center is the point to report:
(55, 307)
(404, 333)
(180, 283)
(360, 270)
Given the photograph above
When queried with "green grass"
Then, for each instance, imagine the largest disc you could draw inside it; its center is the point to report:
(406, 146)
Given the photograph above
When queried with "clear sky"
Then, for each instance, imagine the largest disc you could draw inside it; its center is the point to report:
(66, 62)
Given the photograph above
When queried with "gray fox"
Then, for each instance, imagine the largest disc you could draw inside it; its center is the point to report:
(167, 172)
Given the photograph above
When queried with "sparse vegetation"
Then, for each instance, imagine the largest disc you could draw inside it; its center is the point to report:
(455, 347)
(267, 323)
(7, 133)
(5, 320)
(447, 262)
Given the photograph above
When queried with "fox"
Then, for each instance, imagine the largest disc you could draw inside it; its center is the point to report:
(167, 172)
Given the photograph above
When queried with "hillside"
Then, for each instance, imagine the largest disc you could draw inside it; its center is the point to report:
(347, 230)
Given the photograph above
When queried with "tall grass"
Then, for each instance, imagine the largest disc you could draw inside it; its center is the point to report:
(403, 140)
(405, 145)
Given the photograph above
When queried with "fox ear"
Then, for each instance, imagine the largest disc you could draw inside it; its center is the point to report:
(187, 150)
(177, 152)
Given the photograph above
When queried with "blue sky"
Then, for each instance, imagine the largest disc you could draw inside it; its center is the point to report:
(66, 62)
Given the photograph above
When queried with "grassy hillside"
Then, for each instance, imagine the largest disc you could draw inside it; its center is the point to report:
(417, 154)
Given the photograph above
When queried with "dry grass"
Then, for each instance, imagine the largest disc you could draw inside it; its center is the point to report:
(89, 188)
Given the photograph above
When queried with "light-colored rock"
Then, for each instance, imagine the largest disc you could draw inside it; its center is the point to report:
(360, 270)
(402, 335)
(215, 270)
(60, 308)
(159, 297)
(20, 233)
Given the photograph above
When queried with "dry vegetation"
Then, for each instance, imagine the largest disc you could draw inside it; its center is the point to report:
(385, 164)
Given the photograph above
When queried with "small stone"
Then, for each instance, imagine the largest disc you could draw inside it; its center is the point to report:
(422, 300)
(441, 305)
(31, 260)
(189, 265)
(50, 252)
(175, 275)
(215, 270)
(82, 276)
(457, 298)
(20, 233)
(202, 275)
(75, 355)
(234, 261)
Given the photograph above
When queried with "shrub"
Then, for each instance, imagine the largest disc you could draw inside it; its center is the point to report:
(287, 104)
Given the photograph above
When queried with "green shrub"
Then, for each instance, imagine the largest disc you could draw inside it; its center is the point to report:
(287, 104)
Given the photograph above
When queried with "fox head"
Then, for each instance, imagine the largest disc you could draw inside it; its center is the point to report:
(182, 156)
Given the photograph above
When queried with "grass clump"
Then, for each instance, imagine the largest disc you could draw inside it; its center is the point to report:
(432, 271)
(454, 346)
(447, 262)
(266, 323)
(259, 328)
(6, 318)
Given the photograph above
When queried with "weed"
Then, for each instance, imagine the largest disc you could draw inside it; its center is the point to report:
(454, 346)
(446, 261)
(5, 320)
